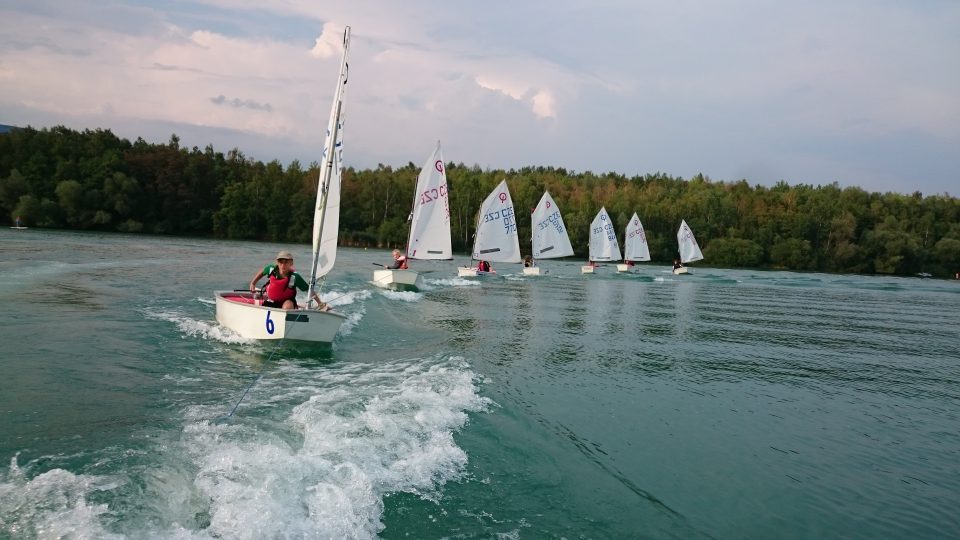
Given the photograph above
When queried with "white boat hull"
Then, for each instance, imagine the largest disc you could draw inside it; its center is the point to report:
(239, 312)
(625, 268)
(586, 269)
(463, 271)
(532, 271)
(402, 280)
(681, 270)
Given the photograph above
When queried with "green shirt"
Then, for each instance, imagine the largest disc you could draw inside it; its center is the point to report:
(298, 281)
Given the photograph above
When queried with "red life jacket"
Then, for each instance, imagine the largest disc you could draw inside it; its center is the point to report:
(281, 289)
(402, 259)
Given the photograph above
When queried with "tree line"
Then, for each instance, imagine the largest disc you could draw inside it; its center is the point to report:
(94, 180)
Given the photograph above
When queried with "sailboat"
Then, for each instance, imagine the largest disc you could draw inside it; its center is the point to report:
(603, 242)
(496, 239)
(635, 247)
(689, 249)
(244, 312)
(549, 235)
(429, 226)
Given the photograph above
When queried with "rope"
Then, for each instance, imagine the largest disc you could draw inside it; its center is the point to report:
(255, 381)
(272, 353)
(260, 373)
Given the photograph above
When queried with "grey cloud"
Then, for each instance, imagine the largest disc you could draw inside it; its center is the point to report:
(244, 103)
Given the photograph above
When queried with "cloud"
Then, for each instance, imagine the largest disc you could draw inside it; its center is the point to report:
(805, 92)
(235, 102)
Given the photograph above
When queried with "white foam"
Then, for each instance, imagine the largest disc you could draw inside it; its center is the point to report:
(194, 328)
(339, 298)
(450, 282)
(340, 441)
(364, 431)
(52, 505)
(405, 296)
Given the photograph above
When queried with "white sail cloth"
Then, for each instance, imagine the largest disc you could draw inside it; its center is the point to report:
(603, 239)
(430, 220)
(635, 246)
(497, 239)
(689, 249)
(549, 235)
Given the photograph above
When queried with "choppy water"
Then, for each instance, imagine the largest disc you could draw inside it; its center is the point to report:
(727, 404)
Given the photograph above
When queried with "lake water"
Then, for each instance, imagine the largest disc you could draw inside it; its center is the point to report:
(725, 404)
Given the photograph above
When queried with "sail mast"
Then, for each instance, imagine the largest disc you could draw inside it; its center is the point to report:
(326, 170)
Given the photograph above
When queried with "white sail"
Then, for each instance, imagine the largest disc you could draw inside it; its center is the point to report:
(550, 239)
(689, 249)
(497, 239)
(326, 218)
(635, 246)
(430, 221)
(603, 239)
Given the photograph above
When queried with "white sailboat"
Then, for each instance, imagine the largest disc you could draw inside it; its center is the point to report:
(429, 226)
(496, 239)
(603, 242)
(635, 248)
(242, 311)
(689, 249)
(549, 235)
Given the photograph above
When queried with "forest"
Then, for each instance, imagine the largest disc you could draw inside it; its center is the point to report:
(93, 180)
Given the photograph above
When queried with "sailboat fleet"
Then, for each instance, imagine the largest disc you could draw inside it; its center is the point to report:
(496, 241)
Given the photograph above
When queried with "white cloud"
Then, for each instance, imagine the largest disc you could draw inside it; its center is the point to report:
(682, 87)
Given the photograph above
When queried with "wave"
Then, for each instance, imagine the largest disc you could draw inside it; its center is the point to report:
(314, 455)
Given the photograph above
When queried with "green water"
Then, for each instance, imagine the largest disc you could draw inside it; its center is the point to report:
(725, 404)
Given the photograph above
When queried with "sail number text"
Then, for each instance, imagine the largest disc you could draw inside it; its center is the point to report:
(554, 220)
(638, 232)
(506, 214)
(608, 228)
(434, 194)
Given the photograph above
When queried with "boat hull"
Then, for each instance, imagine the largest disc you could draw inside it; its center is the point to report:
(532, 271)
(625, 268)
(401, 280)
(239, 312)
(586, 269)
(681, 270)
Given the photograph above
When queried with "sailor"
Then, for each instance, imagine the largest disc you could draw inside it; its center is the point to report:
(399, 261)
(282, 285)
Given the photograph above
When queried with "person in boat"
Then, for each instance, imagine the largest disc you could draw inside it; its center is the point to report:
(282, 284)
(677, 264)
(629, 263)
(528, 261)
(399, 261)
(592, 264)
(484, 266)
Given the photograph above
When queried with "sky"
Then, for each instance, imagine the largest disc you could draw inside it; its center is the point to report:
(859, 92)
